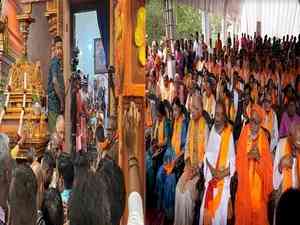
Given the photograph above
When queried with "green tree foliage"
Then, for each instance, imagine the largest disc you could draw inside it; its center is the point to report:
(154, 20)
(188, 21)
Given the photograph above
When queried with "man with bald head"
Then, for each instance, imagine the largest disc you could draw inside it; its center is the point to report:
(286, 164)
(5, 175)
(219, 167)
(186, 191)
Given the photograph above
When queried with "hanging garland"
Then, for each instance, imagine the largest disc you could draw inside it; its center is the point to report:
(139, 35)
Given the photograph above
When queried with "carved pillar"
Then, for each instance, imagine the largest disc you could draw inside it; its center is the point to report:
(130, 57)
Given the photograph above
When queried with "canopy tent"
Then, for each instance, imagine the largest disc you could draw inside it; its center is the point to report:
(277, 17)
(230, 8)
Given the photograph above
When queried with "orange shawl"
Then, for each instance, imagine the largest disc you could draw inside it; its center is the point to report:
(159, 132)
(196, 144)
(269, 121)
(287, 181)
(257, 190)
(212, 202)
(176, 138)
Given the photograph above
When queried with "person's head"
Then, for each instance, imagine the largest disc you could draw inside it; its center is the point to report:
(115, 182)
(58, 43)
(166, 80)
(60, 128)
(5, 168)
(196, 107)
(256, 118)
(291, 107)
(22, 196)
(100, 137)
(65, 171)
(177, 108)
(208, 87)
(38, 172)
(220, 116)
(52, 207)
(161, 111)
(287, 211)
(48, 165)
(88, 205)
(294, 136)
(267, 103)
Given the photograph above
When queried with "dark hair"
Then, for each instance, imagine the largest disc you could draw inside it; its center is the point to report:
(161, 108)
(177, 102)
(100, 134)
(66, 170)
(22, 197)
(48, 160)
(89, 202)
(114, 178)
(287, 211)
(52, 207)
(57, 39)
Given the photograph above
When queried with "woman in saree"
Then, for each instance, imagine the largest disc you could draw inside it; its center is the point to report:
(167, 176)
(160, 141)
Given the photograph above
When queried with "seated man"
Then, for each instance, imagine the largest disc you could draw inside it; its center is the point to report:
(219, 167)
(285, 172)
(254, 166)
(186, 191)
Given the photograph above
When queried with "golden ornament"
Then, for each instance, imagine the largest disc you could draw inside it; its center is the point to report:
(142, 55)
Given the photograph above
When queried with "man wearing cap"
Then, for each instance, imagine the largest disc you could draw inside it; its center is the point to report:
(254, 166)
(56, 87)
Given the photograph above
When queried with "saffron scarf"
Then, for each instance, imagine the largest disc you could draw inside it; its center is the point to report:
(176, 138)
(286, 172)
(255, 180)
(196, 137)
(208, 103)
(159, 132)
(212, 202)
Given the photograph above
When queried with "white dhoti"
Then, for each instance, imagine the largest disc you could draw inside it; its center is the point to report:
(186, 194)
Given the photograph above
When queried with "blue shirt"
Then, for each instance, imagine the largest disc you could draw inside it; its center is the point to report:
(65, 195)
(55, 71)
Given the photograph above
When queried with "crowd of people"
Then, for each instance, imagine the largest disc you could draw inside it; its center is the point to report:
(223, 129)
(60, 188)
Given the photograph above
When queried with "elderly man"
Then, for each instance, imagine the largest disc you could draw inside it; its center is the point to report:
(186, 191)
(219, 167)
(254, 167)
(286, 164)
(5, 175)
(56, 144)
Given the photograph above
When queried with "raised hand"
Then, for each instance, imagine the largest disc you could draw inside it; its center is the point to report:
(132, 119)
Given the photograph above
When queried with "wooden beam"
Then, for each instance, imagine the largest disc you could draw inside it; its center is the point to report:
(67, 72)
